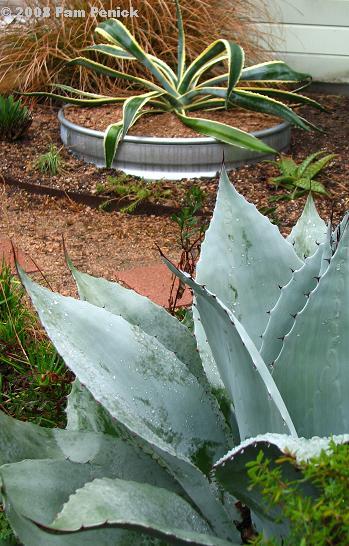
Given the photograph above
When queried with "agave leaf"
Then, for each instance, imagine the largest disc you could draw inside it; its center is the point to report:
(152, 510)
(207, 66)
(181, 42)
(279, 94)
(293, 298)
(273, 70)
(86, 94)
(51, 483)
(34, 442)
(257, 401)
(268, 105)
(85, 414)
(230, 471)
(111, 51)
(193, 94)
(311, 371)
(114, 454)
(309, 231)
(78, 102)
(112, 138)
(114, 31)
(35, 536)
(235, 57)
(205, 104)
(142, 385)
(120, 53)
(83, 411)
(108, 354)
(226, 133)
(106, 71)
(240, 246)
(142, 312)
(116, 131)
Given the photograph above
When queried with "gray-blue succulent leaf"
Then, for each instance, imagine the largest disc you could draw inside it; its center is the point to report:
(244, 259)
(144, 417)
(309, 231)
(141, 384)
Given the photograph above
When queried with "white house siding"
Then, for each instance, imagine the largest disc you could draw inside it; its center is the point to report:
(310, 35)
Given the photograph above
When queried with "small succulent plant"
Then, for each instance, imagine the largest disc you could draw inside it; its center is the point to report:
(15, 118)
(300, 179)
(149, 416)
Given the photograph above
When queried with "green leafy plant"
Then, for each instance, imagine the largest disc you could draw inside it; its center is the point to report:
(133, 191)
(300, 179)
(6, 535)
(15, 118)
(149, 415)
(30, 367)
(325, 521)
(187, 90)
(51, 162)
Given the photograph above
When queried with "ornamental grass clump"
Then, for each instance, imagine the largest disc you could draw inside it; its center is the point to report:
(34, 55)
(15, 118)
(191, 87)
(149, 416)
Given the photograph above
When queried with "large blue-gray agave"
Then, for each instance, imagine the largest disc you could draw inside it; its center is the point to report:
(149, 415)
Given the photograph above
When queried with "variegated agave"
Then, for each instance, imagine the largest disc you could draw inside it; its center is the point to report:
(190, 88)
(148, 418)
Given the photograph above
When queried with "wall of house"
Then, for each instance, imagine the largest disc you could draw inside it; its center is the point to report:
(310, 35)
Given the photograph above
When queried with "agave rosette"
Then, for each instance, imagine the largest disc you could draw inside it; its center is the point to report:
(149, 416)
(190, 88)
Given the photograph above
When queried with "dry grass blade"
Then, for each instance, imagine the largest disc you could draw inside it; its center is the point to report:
(34, 55)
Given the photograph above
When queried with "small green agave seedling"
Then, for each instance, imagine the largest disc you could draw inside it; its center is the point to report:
(300, 179)
(15, 118)
(190, 88)
(149, 416)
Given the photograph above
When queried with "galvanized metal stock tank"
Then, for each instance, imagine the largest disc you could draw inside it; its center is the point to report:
(168, 158)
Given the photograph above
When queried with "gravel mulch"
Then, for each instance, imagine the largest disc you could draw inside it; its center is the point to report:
(167, 125)
(104, 243)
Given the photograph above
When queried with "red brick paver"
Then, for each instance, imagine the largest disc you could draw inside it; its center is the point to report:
(6, 253)
(153, 282)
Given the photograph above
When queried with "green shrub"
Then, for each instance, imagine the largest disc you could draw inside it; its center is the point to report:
(15, 118)
(319, 522)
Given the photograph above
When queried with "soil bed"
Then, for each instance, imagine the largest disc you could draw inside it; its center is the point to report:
(105, 243)
(167, 125)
